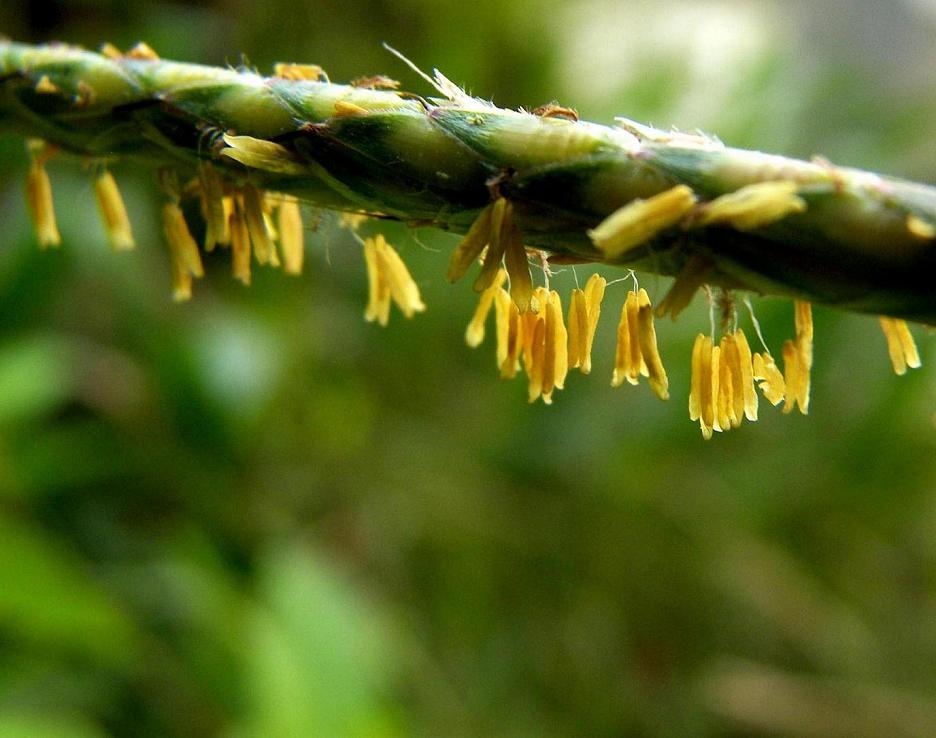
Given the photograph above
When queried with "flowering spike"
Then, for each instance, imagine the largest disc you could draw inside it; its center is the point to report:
(186, 261)
(113, 212)
(648, 347)
(641, 220)
(471, 246)
(291, 234)
(900, 345)
(474, 334)
(39, 197)
(754, 206)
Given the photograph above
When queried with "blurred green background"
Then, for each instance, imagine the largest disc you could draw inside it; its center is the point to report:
(257, 515)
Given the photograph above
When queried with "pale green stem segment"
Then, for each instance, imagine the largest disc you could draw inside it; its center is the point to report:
(842, 237)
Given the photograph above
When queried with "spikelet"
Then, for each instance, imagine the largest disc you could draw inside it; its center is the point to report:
(39, 196)
(496, 228)
(474, 334)
(641, 220)
(388, 279)
(900, 345)
(186, 261)
(113, 212)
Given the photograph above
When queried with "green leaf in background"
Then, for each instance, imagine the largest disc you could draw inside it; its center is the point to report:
(317, 662)
(49, 599)
(13, 725)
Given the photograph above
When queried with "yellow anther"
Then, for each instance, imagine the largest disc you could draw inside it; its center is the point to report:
(474, 334)
(113, 212)
(900, 345)
(186, 261)
(291, 233)
(39, 197)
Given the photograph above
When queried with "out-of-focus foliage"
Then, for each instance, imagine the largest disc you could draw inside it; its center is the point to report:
(256, 515)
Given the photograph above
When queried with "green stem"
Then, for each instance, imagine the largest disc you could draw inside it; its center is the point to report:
(861, 242)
